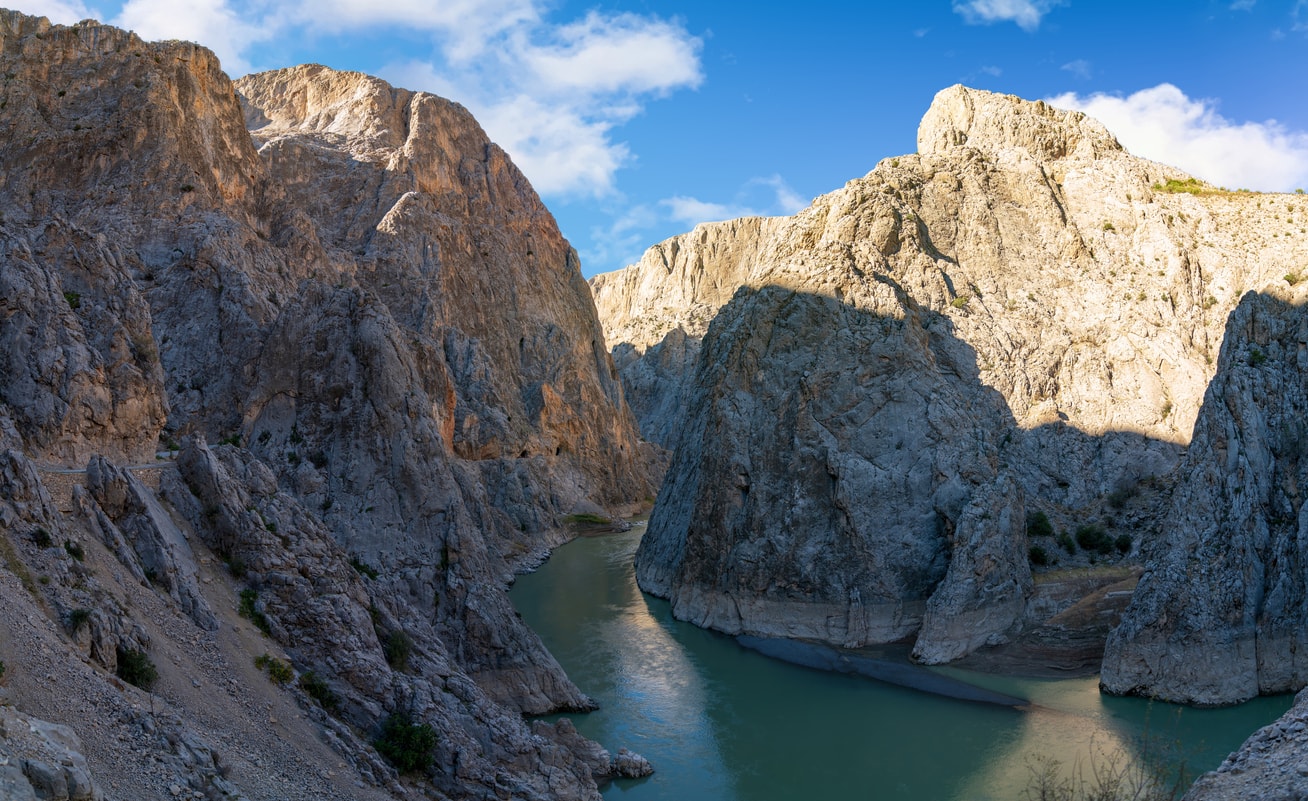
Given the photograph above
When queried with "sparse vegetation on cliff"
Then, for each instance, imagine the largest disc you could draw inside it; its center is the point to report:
(136, 667)
(278, 670)
(249, 610)
(398, 647)
(405, 744)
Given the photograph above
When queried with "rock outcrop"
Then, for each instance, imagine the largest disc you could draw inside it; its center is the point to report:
(1221, 613)
(364, 299)
(1021, 316)
(1272, 763)
(42, 760)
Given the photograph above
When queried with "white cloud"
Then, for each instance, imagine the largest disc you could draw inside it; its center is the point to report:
(557, 148)
(1026, 13)
(692, 211)
(620, 54)
(1080, 68)
(760, 197)
(1165, 125)
(1243, 5)
(552, 95)
(464, 27)
(213, 23)
(624, 240)
(992, 71)
(60, 12)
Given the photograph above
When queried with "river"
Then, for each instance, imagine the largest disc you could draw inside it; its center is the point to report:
(723, 723)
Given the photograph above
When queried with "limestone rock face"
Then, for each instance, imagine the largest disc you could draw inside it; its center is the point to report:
(849, 545)
(353, 287)
(657, 313)
(985, 590)
(42, 760)
(1020, 304)
(161, 552)
(1221, 613)
(460, 252)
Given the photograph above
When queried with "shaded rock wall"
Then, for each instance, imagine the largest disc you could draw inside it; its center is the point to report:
(1074, 309)
(1220, 613)
(368, 302)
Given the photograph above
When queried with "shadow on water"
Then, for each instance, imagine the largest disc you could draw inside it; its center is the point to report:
(722, 722)
(900, 674)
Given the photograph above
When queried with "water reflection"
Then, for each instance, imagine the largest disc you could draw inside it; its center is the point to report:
(722, 723)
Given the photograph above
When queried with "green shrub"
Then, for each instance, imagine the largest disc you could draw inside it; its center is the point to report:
(1065, 541)
(77, 618)
(249, 611)
(2, 671)
(234, 440)
(235, 566)
(1108, 226)
(1123, 544)
(74, 299)
(1122, 495)
(370, 572)
(42, 538)
(1190, 185)
(1256, 357)
(293, 458)
(136, 667)
(1093, 537)
(405, 744)
(1038, 555)
(75, 550)
(398, 646)
(318, 690)
(279, 671)
(960, 301)
(1038, 525)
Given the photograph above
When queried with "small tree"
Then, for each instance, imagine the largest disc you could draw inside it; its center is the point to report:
(136, 667)
(405, 744)
(398, 647)
(1038, 525)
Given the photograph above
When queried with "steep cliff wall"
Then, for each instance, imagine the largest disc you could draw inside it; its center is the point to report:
(1221, 613)
(1030, 302)
(376, 314)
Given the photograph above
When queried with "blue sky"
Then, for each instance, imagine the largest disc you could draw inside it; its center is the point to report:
(635, 119)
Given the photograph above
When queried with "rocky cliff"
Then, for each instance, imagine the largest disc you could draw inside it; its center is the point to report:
(1019, 318)
(360, 296)
(1221, 613)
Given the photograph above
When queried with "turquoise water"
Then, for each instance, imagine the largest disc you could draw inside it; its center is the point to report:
(722, 723)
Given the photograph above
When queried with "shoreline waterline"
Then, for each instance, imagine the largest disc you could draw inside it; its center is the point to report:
(722, 722)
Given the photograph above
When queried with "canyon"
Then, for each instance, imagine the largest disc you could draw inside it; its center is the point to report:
(871, 402)
(297, 373)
